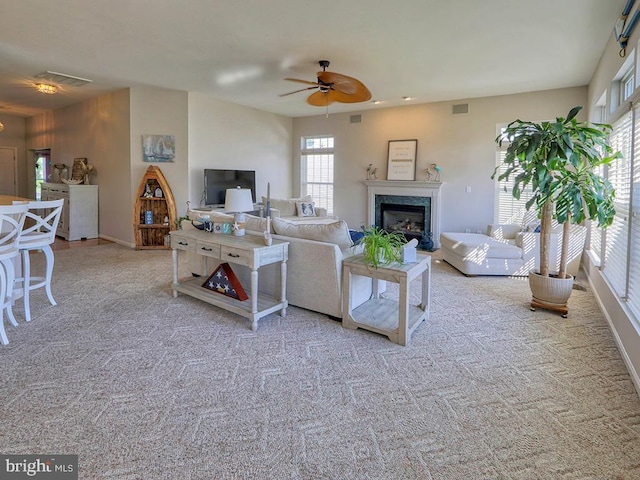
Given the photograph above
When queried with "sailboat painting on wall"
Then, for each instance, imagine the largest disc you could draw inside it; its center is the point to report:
(158, 148)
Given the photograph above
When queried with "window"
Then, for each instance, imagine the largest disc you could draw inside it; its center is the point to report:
(43, 168)
(316, 170)
(596, 233)
(507, 208)
(633, 292)
(622, 239)
(628, 85)
(616, 236)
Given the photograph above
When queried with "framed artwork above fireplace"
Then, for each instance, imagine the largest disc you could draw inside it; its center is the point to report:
(401, 163)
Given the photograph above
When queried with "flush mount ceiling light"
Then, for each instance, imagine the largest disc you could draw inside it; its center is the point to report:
(1, 127)
(406, 99)
(46, 88)
(62, 79)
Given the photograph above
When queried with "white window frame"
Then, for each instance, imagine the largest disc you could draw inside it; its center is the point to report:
(318, 183)
(627, 85)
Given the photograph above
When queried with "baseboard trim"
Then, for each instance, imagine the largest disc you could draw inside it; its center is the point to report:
(118, 241)
(635, 376)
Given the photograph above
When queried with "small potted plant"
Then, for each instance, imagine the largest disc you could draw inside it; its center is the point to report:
(381, 247)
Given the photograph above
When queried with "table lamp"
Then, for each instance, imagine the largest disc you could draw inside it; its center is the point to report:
(237, 201)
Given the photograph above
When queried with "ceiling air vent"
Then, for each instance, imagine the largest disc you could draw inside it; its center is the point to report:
(62, 79)
(356, 118)
(460, 108)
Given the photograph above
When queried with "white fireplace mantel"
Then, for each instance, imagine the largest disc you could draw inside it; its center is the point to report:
(406, 188)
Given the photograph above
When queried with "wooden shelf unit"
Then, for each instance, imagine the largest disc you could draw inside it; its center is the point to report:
(153, 235)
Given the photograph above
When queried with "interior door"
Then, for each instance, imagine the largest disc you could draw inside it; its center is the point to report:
(9, 171)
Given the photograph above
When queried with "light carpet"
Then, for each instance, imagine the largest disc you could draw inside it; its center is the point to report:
(142, 385)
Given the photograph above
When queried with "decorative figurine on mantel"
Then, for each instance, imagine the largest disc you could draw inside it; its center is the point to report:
(433, 173)
(372, 173)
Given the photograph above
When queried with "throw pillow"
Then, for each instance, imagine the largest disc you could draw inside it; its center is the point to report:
(286, 206)
(529, 217)
(306, 209)
(533, 226)
(336, 232)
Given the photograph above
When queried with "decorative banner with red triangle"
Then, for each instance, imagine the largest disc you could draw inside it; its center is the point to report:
(224, 281)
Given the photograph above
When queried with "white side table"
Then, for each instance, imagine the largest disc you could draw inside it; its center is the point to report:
(247, 250)
(395, 319)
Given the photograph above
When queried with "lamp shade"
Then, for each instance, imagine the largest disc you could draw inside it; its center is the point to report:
(238, 200)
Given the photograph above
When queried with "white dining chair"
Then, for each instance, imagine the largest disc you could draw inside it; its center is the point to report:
(11, 223)
(38, 234)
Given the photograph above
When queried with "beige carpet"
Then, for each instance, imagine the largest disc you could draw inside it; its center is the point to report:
(142, 385)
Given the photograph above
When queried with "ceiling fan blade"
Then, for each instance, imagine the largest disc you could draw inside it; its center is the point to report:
(324, 98)
(302, 81)
(297, 91)
(346, 85)
(319, 99)
(337, 96)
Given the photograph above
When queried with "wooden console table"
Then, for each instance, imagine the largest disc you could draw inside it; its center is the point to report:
(247, 250)
(395, 319)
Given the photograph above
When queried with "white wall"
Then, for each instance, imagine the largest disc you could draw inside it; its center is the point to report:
(463, 145)
(107, 130)
(158, 111)
(229, 136)
(96, 129)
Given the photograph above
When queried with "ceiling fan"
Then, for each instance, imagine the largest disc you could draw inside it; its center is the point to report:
(332, 87)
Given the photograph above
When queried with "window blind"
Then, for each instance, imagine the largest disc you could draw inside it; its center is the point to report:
(616, 239)
(508, 209)
(317, 170)
(633, 295)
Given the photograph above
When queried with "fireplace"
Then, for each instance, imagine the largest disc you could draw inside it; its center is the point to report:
(407, 219)
(412, 207)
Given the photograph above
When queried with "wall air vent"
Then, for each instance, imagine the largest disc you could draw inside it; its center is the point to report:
(62, 79)
(460, 108)
(356, 118)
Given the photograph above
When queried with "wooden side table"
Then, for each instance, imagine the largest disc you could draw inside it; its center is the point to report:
(395, 319)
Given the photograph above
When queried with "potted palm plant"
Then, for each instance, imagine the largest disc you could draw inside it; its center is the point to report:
(381, 247)
(558, 160)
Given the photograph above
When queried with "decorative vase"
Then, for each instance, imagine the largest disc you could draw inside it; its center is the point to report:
(550, 292)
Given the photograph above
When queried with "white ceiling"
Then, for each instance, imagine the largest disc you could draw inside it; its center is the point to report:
(240, 50)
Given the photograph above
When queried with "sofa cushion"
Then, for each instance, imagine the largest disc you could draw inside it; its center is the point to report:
(335, 232)
(306, 209)
(286, 206)
(474, 244)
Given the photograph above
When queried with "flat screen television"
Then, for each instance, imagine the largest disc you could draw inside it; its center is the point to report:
(217, 181)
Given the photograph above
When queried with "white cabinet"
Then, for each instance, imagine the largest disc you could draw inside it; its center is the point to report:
(79, 218)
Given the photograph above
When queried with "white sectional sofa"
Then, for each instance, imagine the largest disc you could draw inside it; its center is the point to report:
(508, 250)
(292, 209)
(314, 268)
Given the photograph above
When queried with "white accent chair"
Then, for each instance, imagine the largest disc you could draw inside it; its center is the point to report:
(39, 234)
(11, 223)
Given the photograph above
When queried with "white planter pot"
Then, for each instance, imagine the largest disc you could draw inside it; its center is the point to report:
(550, 292)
